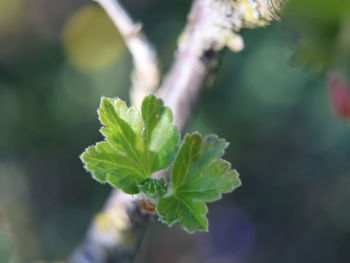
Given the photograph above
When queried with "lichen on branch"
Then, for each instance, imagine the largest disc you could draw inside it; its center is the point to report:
(222, 20)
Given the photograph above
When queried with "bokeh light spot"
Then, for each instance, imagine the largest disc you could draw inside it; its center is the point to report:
(10, 10)
(90, 39)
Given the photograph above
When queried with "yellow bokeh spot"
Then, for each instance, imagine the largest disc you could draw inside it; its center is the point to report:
(90, 39)
(10, 10)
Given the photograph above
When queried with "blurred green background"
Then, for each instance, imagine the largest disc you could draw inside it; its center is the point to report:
(57, 58)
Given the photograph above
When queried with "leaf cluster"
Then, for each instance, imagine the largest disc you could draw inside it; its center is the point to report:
(138, 144)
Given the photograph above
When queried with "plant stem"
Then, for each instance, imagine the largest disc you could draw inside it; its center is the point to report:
(145, 75)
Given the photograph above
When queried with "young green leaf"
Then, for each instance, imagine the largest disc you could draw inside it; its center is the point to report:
(153, 188)
(198, 176)
(135, 146)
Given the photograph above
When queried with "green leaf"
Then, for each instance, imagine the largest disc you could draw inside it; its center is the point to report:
(136, 145)
(198, 176)
(189, 213)
(153, 188)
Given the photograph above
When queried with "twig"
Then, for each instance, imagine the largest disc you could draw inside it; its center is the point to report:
(118, 230)
(145, 76)
(115, 233)
(211, 27)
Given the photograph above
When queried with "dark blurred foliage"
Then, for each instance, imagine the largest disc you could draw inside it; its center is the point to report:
(322, 30)
(291, 150)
